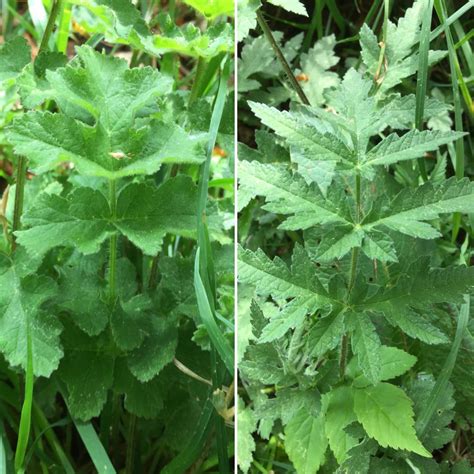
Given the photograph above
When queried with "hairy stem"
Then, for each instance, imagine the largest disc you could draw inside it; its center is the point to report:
(343, 355)
(19, 197)
(271, 39)
(56, 8)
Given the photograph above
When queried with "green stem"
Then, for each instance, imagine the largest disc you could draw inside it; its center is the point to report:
(19, 197)
(343, 355)
(270, 38)
(352, 278)
(56, 8)
(200, 71)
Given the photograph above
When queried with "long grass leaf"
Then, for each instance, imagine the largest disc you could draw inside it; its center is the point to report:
(94, 447)
(442, 382)
(440, 7)
(422, 78)
(218, 340)
(25, 420)
(65, 16)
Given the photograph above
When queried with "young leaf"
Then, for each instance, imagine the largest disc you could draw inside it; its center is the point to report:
(386, 414)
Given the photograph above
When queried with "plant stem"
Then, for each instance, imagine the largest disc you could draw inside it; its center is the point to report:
(343, 355)
(19, 197)
(200, 70)
(377, 78)
(113, 243)
(269, 35)
(56, 8)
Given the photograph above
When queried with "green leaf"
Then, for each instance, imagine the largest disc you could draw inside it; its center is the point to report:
(15, 54)
(416, 325)
(339, 415)
(409, 146)
(326, 334)
(245, 442)
(315, 64)
(393, 363)
(87, 369)
(366, 345)
(144, 215)
(276, 279)
(79, 220)
(246, 17)
(293, 6)
(213, 8)
(81, 293)
(407, 211)
(305, 441)
(290, 317)
(386, 414)
(50, 139)
(400, 42)
(289, 194)
(157, 351)
(189, 40)
(130, 322)
(312, 136)
(144, 400)
(23, 316)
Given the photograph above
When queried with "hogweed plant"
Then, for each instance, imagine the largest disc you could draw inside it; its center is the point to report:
(330, 341)
(98, 302)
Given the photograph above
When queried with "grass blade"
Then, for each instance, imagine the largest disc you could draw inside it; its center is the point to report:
(445, 374)
(25, 420)
(222, 346)
(65, 16)
(440, 7)
(94, 447)
(422, 78)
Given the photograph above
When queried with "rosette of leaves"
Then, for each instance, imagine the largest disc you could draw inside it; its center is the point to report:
(100, 315)
(322, 334)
